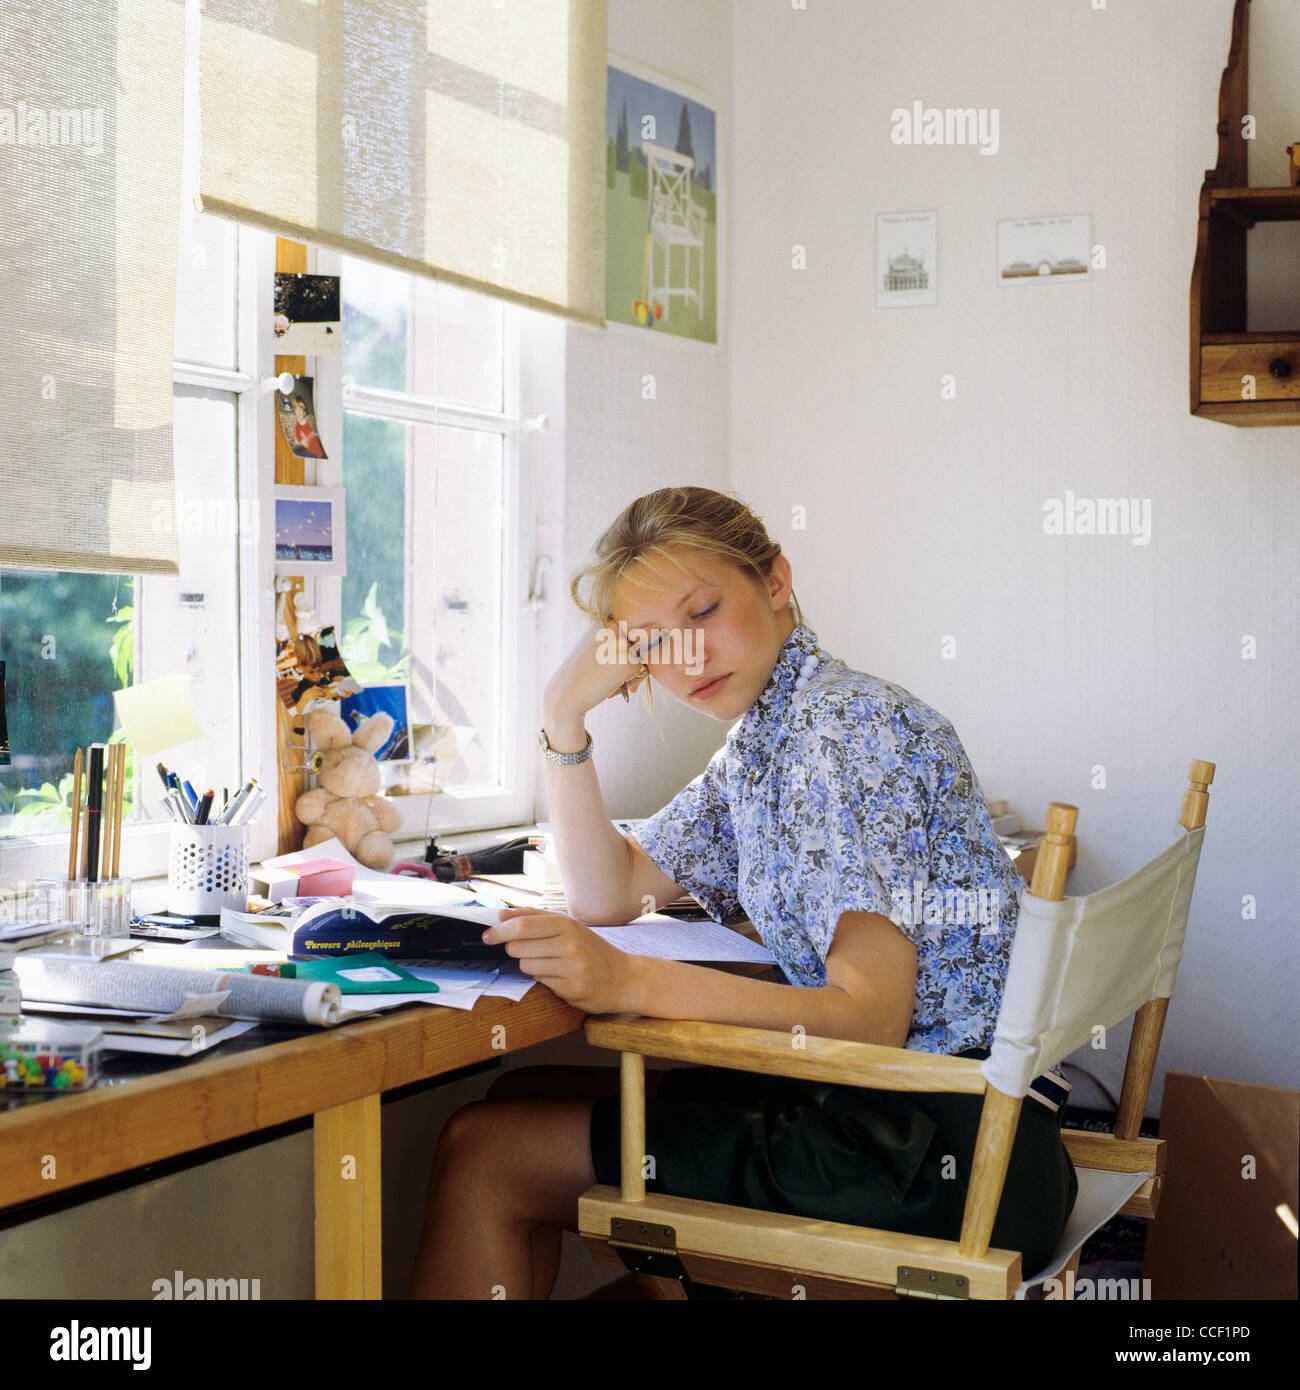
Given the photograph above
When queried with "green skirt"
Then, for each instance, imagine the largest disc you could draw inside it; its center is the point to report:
(893, 1160)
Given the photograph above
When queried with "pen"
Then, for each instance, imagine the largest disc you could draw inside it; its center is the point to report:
(191, 796)
(162, 772)
(205, 807)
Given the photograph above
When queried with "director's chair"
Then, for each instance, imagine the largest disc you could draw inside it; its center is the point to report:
(1076, 964)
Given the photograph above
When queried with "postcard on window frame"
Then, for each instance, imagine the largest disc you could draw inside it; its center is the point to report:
(310, 525)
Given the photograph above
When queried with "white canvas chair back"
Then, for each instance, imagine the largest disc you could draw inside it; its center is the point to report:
(1080, 963)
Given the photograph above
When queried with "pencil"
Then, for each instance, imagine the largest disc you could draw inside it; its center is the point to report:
(76, 815)
(110, 772)
(117, 813)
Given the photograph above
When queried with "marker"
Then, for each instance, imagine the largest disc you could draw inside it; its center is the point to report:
(236, 801)
(248, 809)
(94, 809)
(205, 807)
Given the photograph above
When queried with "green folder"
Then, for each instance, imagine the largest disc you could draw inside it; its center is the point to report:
(363, 972)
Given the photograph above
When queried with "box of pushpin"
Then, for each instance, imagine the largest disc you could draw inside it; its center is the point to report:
(43, 1056)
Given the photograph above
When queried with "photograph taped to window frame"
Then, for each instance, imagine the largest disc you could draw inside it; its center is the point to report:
(308, 315)
(296, 413)
(310, 530)
(312, 672)
(387, 699)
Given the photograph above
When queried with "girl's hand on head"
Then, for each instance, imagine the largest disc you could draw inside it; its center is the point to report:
(597, 669)
(566, 956)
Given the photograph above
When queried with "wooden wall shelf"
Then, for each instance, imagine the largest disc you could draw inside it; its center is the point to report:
(1222, 352)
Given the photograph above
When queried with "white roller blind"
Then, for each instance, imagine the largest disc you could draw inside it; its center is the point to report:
(91, 100)
(463, 139)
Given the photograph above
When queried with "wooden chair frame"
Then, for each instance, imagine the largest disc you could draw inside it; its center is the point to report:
(778, 1254)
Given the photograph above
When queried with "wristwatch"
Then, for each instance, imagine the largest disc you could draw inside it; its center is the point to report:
(564, 759)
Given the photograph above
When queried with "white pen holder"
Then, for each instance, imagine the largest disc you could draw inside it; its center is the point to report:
(207, 869)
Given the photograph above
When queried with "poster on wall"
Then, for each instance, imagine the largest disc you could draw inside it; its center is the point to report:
(663, 205)
(907, 259)
(1045, 250)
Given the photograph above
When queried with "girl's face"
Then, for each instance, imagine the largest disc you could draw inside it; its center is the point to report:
(703, 620)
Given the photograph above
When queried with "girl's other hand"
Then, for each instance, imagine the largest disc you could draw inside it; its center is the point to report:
(566, 956)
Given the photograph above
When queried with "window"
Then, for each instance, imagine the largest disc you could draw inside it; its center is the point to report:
(430, 428)
(70, 639)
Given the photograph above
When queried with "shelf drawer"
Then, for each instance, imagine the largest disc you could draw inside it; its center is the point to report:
(1224, 364)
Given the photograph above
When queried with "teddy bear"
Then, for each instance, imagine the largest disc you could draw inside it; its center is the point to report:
(344, 803)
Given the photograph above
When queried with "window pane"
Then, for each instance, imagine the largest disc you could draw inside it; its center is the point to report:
(435, 598)
(59, 633)
(70, 640)
(405, 333)
(190, 624)
(465, 493)
(206, 290)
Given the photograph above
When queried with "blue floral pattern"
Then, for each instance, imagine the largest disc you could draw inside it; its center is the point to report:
(838, 791)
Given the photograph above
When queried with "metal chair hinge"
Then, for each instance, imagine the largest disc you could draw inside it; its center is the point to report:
(646, 1247)
(928, 1283)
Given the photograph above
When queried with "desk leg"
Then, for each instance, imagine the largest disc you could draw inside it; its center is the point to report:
(348, 1198)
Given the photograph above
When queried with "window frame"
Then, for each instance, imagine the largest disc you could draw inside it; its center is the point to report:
(532, 348)
(463, 810)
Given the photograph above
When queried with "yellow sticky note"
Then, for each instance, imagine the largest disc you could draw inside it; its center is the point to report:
(157, 714)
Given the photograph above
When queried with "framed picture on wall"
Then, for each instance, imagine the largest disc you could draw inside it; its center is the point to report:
(664, 206)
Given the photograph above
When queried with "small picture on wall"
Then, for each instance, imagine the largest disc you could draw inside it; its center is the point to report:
(1045, 250)
(296, 413)
(308, 317)
(310, 534)
(907, 259)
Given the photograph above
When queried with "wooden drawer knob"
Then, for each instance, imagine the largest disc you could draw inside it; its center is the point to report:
(1279, 367)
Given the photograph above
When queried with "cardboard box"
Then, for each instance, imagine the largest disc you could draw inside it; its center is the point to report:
(1225, 1228)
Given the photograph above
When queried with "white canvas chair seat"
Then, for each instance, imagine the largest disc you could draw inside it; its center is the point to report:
(1102, 1195)
(1076, 964)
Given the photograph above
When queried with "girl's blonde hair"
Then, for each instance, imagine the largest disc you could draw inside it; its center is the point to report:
(696, 518)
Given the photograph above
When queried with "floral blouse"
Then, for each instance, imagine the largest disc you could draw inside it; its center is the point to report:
(847, 793)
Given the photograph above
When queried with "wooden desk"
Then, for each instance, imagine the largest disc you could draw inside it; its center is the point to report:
(335, 1075)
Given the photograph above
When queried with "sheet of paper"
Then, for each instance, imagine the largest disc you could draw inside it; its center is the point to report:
(382, 1003)
(157, 714)
(174, 1047)
(510, 983)
(665, 938)
(453, 974)
(202, 957)
(400, 892)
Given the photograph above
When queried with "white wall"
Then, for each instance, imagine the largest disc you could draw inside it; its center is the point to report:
(925, 515)
(619, 446)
